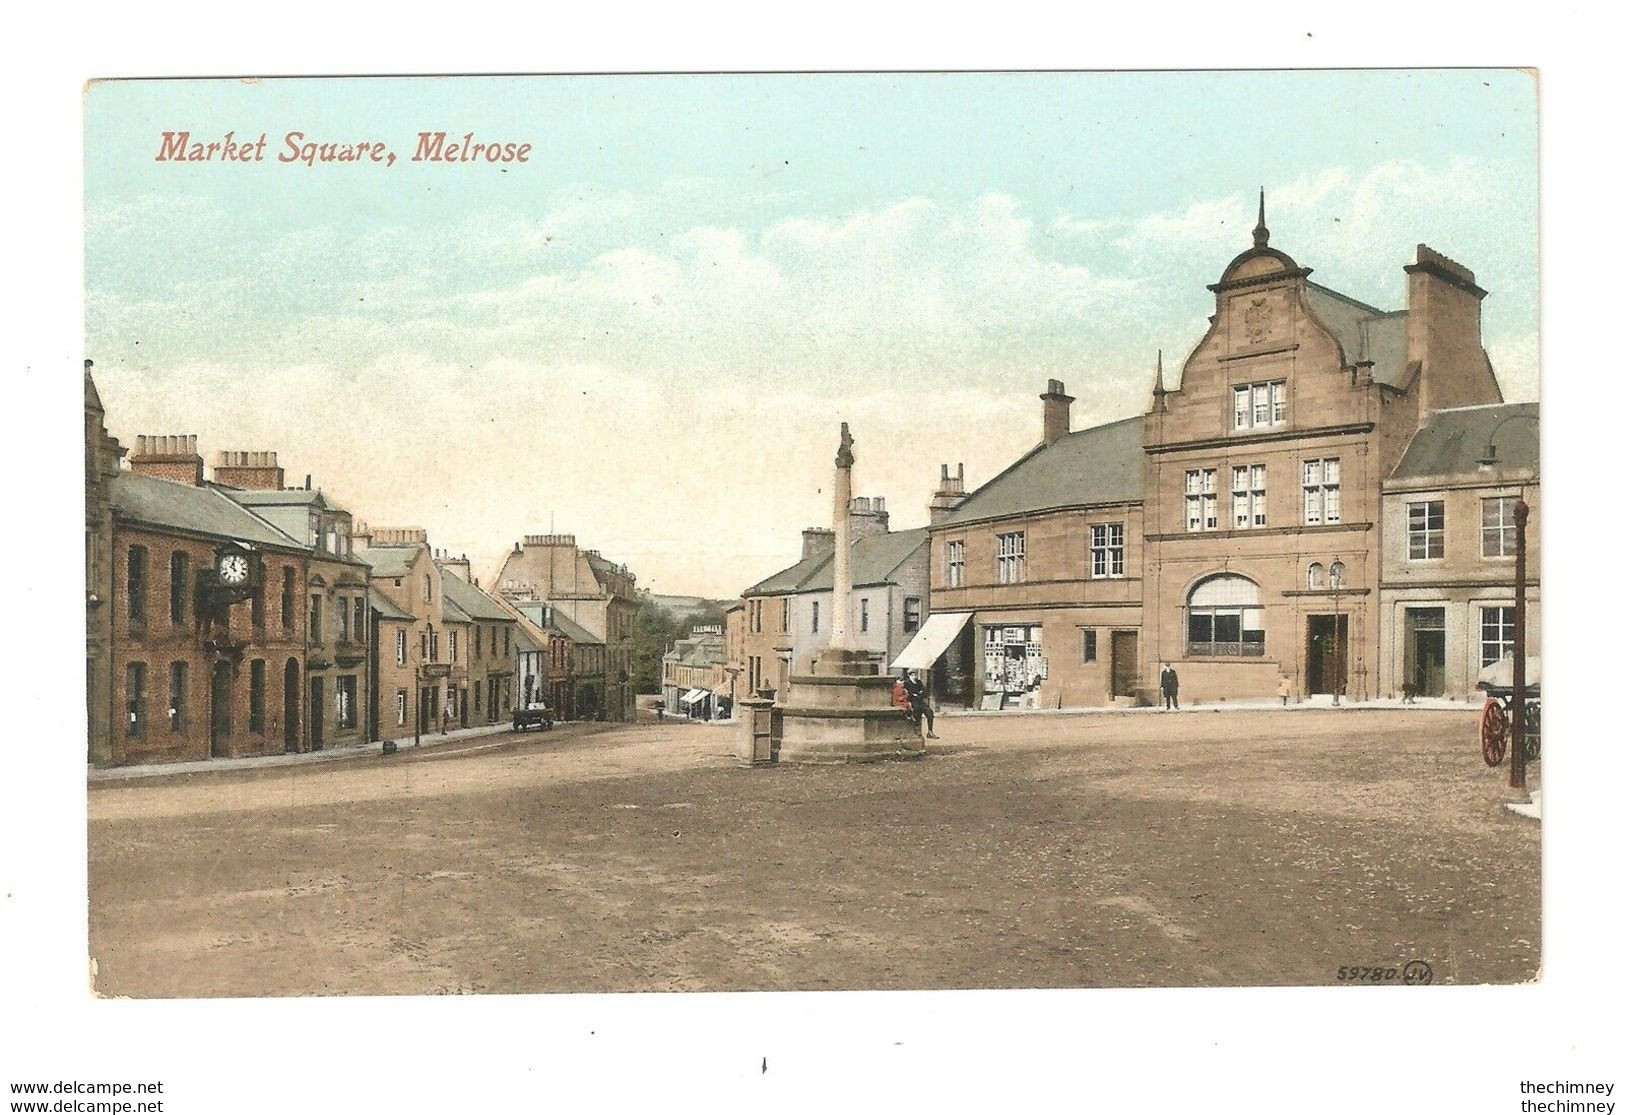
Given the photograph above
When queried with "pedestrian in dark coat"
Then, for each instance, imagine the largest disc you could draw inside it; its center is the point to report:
(918, 704)
(1170, 686)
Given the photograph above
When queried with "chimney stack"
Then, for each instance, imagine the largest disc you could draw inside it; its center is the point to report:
(869, 516)
(1443, 334)
(168, 457)
(248, 469)
(398, 536)
(458, 565)
(1057, 412)
(950, 493)
(815, 541)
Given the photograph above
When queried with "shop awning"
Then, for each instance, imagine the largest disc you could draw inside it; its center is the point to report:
(694, 695)
(931, 640)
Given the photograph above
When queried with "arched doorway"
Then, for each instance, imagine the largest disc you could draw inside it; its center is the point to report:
(219, 709)
(290, 705)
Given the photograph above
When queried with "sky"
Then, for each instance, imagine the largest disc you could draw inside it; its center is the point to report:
(648, 334)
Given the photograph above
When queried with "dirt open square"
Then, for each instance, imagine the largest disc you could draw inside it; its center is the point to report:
(1132, 849)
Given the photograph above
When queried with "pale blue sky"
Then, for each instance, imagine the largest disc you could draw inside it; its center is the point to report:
(647, 333)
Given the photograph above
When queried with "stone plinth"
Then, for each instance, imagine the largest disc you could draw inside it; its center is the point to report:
(843, 713)
(754, 745)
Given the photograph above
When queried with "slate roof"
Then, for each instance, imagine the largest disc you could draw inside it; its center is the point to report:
(697, 650)
(602, 567)
(386, 607)
(471, 601)
(1365, 332)
(788, 580)
(874, 560)
(389, 561)
(1103, 464)
(1451, 442)
(268, 497)
(207, 511)
(563, 624)
(528, 628)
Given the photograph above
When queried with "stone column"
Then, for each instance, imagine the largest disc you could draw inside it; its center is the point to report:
(841, 605)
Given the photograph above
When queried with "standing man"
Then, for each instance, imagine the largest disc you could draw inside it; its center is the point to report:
(1170, 686)
(915, 688)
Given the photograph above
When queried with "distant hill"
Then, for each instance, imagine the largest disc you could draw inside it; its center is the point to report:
(685, 608)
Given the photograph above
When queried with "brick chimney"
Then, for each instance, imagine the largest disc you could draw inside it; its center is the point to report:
(399, 536)
(815, 541)
(1057, 412)
(248, 469)
(1443, 336)
(361, 535)
(950, 493)
(458, 565)
(869, 517)
(168, 457)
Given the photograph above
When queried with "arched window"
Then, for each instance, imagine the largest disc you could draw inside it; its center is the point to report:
(1337, 574)
(1317, 575)
(1224, 618)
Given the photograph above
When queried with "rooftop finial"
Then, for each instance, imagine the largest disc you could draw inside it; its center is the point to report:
(1261, 234)
(1159, 389)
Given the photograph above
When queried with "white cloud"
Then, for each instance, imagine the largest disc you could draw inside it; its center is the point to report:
(462, 374)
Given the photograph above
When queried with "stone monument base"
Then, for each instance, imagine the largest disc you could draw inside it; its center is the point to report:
(843, 713)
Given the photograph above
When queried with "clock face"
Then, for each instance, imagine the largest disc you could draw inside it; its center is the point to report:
(234, 569)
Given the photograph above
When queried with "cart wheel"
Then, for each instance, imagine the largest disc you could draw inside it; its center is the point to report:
(1531, 731)
(1492, 732)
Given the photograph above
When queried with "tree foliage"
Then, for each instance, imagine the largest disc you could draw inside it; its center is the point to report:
(654, 629)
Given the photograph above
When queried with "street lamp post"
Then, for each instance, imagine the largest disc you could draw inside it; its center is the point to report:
(1520, 521)
(1518, 768)
(1337, 657)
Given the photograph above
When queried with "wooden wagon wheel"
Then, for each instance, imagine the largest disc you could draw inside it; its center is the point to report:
(1492, 732)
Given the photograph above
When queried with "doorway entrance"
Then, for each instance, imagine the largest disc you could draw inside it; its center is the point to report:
(1424, 651)
(219, 709)
(290, 706)
(428, 709)
(1328, 658)
(1125, 663)
(313, 713)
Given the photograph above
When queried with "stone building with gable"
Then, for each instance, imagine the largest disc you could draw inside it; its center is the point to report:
(592, 592)
(417, 686)
(1236, 530)
(1265, 465)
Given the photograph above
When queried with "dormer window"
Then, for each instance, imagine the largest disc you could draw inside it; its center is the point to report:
(1260, 405)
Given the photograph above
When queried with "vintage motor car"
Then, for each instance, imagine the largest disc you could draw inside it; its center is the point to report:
(536, 716)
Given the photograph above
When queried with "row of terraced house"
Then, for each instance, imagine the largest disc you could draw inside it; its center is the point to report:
(1321, 505)
(232, 615)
